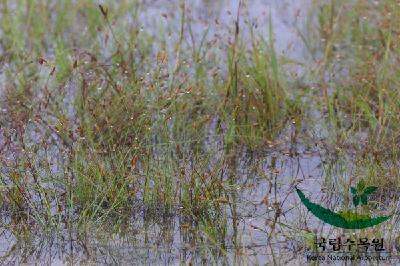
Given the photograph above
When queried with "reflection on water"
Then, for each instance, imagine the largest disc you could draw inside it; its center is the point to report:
(215, 21)
(258, 215)
(261, 224)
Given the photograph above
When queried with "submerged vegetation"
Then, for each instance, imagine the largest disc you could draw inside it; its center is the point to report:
(126, 135)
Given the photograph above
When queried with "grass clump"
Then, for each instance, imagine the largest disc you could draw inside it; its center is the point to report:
(257, 106)
(361, 38)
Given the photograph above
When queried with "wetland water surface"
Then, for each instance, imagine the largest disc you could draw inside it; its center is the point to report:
(83, 186)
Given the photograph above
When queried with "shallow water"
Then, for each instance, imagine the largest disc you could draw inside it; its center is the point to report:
(264, 221)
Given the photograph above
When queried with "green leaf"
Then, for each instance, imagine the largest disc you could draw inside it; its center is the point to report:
(370, 190)
(361, 185)
(349, 216)
(337, 220)
(353, 190)
(356, 200)
(364, 199)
